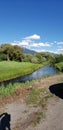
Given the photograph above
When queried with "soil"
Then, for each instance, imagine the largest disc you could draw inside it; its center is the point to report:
(23, 115)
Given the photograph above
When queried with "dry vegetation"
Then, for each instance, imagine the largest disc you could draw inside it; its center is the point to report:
(36, 95)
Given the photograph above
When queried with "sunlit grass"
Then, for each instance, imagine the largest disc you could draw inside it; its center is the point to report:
(10, 89)
(12, 69)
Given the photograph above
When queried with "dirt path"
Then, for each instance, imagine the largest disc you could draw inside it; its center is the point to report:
(22, 114)
(21, 120)
(53, 119)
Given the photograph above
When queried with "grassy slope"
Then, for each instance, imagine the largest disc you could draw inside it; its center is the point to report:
(12, 69)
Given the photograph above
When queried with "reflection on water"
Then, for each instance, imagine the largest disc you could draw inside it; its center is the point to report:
(47, 70)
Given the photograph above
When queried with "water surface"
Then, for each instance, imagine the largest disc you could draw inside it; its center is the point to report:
(42, 72)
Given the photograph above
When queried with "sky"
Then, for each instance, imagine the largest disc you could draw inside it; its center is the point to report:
(34, 24)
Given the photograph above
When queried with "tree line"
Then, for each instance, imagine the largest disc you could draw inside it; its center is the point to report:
(14, 52)
(10, 52)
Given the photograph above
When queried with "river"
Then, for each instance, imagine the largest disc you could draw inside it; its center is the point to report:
(42, 72)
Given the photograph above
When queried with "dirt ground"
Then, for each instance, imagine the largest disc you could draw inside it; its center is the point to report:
(23, 115)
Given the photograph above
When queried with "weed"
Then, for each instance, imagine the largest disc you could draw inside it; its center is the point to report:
(38, 116)
(33, 96)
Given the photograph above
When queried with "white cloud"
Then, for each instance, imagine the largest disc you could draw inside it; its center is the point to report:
(30, 42)
(32, 37)
(44, 44)
(60, 43)
(60, 49)
(52, 43)
(24, 43)
(40, 44)
(42, 50)
(16, 41)
(52, 51)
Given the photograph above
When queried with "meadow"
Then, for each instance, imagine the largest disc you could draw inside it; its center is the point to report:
(12, 69)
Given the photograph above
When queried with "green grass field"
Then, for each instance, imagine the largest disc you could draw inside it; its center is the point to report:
(12, 69)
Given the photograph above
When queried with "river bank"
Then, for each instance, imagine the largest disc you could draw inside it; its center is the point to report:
(23, 114)
(42, 71)
(11, 69)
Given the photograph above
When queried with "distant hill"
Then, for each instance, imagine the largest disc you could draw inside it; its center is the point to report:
(27, 51)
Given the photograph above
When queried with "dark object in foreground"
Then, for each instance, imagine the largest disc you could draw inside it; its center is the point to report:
(57, 89)
(5, 121)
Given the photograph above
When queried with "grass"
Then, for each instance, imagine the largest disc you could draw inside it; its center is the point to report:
(38, 116)
(12, 69)
(10, 89)
(59, 66)
(38, 97)
(6, 91)
(33, 96)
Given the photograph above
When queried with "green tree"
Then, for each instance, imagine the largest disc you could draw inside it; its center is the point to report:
(59, 58)
(11, 52)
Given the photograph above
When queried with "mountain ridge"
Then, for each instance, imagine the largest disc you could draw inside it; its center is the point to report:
(28, 51)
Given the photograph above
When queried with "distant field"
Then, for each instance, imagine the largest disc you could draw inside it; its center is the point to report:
(12, 69)
(59, 66)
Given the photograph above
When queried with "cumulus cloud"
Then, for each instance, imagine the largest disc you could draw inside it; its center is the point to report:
(30, 42)
(44, 44)
(24, 43)
(33, 42)
(32, 37)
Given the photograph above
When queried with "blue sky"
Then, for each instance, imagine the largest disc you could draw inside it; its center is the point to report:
(34, 24)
